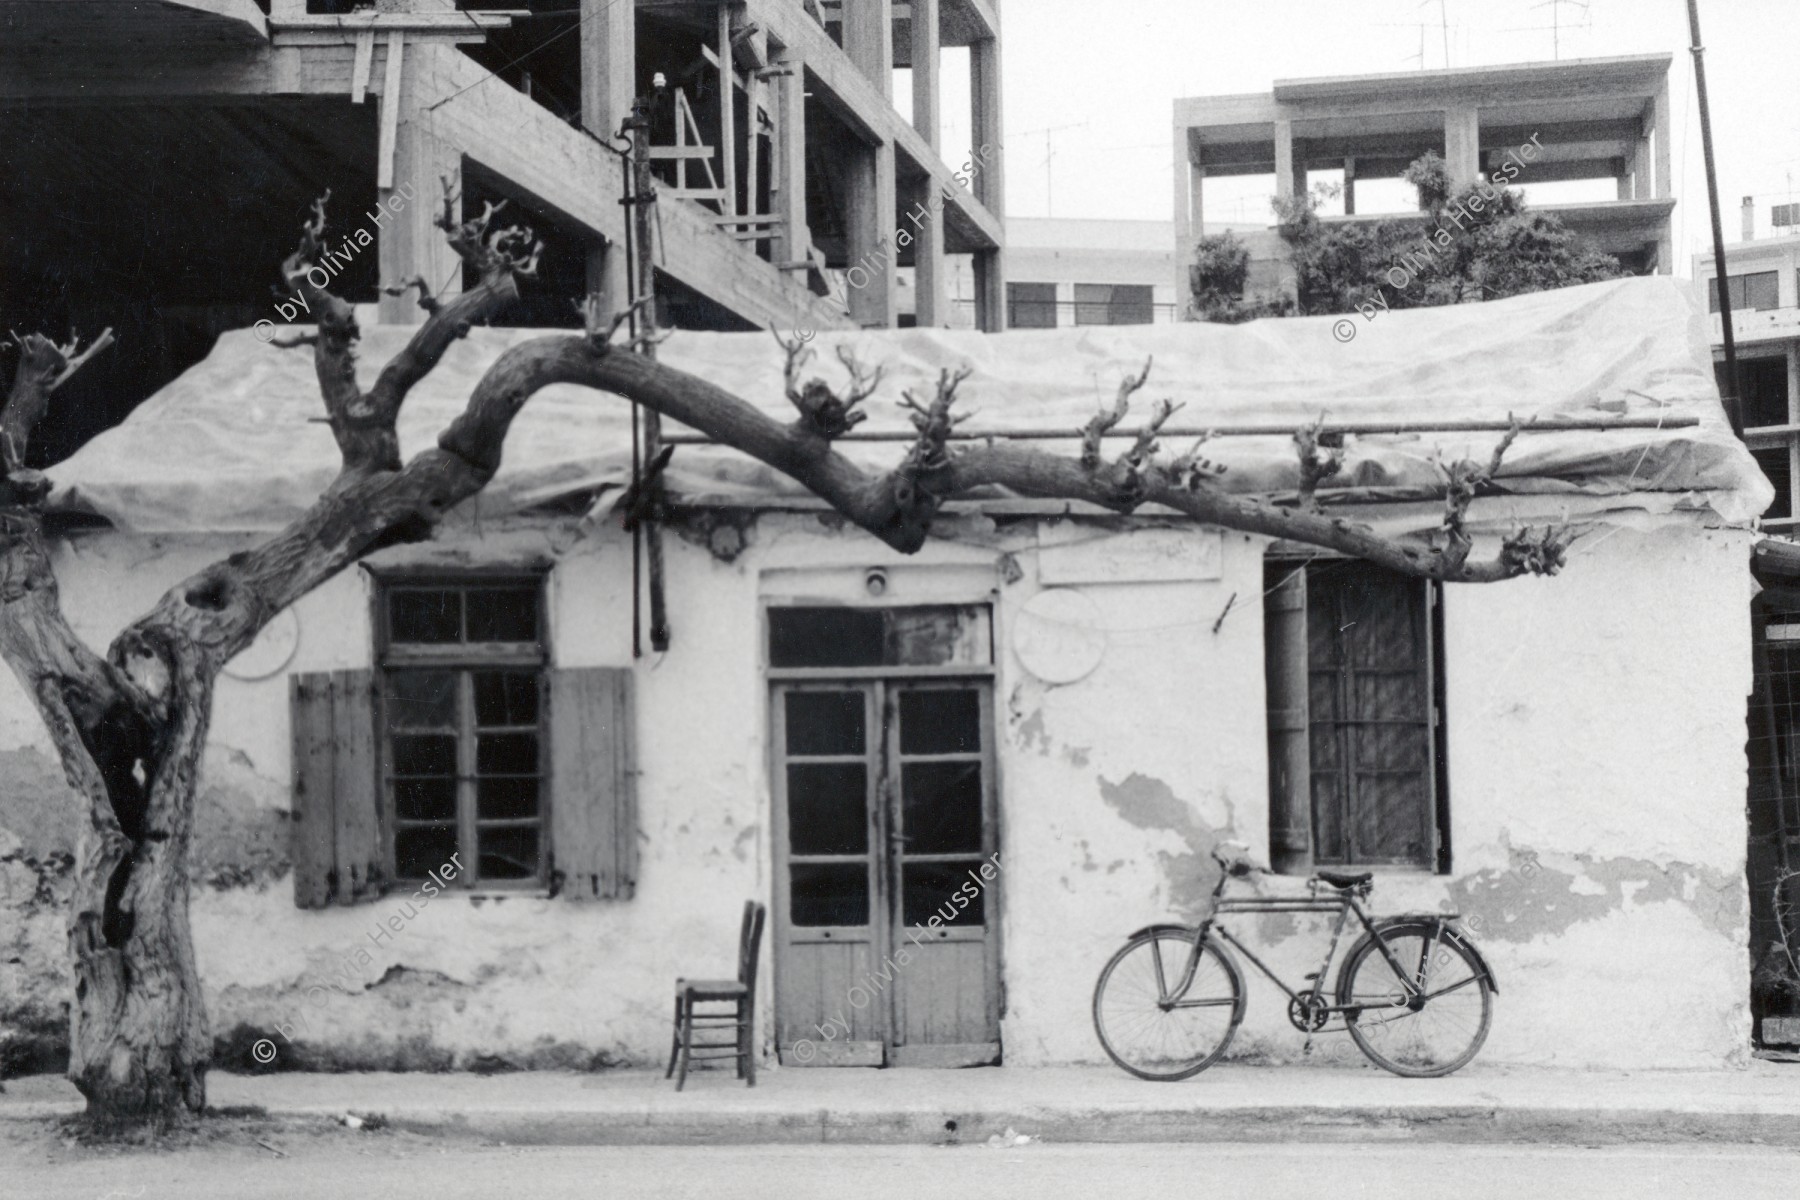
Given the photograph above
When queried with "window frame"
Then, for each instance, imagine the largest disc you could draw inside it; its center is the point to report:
(1438, 858)
(462, 658)
(1738, 287)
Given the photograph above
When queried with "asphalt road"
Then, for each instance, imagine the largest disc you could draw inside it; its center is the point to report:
(401, 1166)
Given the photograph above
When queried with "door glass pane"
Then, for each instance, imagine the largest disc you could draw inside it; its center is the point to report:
(825, 723)
(421, 699)
(941, 807)
(940, 721)
(826, 637)
(828, 808)
(506, 754)
(945, 890)
(829, 893)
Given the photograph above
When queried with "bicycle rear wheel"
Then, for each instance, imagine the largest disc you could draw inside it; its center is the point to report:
(1156, 1035)
(1435, 1025)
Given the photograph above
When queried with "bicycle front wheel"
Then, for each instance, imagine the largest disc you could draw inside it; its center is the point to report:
(1434, 1022)
(1153, 1026)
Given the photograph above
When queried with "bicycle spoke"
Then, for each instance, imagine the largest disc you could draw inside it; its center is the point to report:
(1151, 1032)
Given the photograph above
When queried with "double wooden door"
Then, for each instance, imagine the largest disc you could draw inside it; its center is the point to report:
(886, 870)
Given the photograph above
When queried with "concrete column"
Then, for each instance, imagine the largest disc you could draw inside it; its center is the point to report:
(990, 184)
(869, 41)
(1462, 145)
(608, 87)
(931, 302)
(1187, 199)
(1350, 187)
(927, 116)
(409, 243)
(871, 248)
(1664, 184)
(788, 194)
(1625, 169)
(1284, 160)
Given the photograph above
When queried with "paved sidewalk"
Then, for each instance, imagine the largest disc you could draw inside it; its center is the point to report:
(1058, 1104)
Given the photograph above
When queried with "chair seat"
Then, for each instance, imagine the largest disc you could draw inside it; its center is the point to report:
(702, 989)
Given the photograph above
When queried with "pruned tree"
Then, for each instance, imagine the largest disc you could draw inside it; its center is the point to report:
(130, 725)
(1479, 242)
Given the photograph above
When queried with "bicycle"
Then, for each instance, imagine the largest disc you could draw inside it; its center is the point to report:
(1167, 1005)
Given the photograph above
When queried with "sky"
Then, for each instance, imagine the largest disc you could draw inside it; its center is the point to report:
(1103, 75)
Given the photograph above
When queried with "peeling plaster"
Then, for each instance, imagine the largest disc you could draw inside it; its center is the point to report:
(1150, 803)
(1525, 902)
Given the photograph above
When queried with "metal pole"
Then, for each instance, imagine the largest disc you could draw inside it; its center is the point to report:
(644, 186)
(1720, 272)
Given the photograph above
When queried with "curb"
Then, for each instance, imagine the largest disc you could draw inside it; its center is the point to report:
(1471, 1124)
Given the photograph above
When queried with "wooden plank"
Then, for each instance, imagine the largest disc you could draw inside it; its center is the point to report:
(662, 153)
(313, 834)
(593, 776)
(727, 115)
(390, 110)
(365, 57)
(359, 860)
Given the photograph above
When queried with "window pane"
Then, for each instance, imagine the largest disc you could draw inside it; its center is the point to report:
(509, 853)
(829, 893)
(940, 721)
(826, 637)
(421, 615)
(941, 806)
(421, 849)
(506, 754)
(1774, 464)
(425, 799)
(828, 810)
(1765, 394)
(434, 754)
(503, 614)
(506, 698)
(1031, 305)
(1760, 291)
(421, 699)
(867, 637)
(825, 723)
(933, 889)
(506, 799)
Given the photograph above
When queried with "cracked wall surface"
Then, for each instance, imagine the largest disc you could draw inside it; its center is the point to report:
(1594, 724)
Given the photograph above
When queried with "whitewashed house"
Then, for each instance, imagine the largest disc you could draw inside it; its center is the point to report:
(1076, 698)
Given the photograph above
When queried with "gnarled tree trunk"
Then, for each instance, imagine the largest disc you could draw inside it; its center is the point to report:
(130, 727)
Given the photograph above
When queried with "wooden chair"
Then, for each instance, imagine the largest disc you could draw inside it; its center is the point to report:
(739, 993)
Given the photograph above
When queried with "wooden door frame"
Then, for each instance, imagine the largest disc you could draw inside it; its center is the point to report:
(774, 680)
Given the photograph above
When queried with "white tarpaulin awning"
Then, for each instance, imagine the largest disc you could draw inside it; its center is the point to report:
(238, 441)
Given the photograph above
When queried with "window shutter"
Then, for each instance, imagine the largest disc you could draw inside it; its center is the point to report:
(337, 846)
(1290, 759)
(593, 784)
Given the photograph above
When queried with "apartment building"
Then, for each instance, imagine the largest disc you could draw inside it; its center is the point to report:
(160, 157)
(1595, 119)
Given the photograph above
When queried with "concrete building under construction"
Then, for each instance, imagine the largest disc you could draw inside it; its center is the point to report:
(1595, 119)
(160, 157)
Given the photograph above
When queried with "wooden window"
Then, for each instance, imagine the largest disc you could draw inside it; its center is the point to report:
(463, 743)
(1373, 781)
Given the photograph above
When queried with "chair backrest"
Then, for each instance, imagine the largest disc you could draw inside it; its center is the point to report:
(750, 942)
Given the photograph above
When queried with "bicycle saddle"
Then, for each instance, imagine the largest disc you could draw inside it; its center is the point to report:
(1343, 880)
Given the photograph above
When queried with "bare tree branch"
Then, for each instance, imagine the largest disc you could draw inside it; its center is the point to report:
(1321, 457)
(823, 412)
(1103, 421)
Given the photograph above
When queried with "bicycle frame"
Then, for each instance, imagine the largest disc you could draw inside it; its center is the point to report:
(1343, 903)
